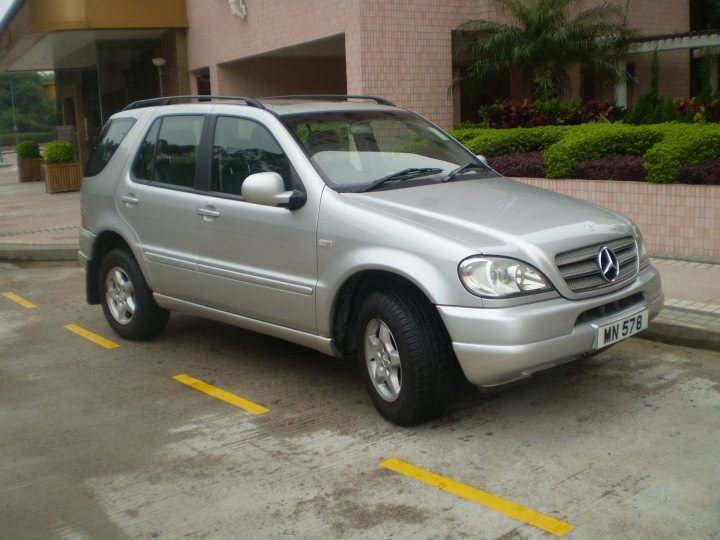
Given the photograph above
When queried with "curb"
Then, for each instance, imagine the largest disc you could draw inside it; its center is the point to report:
(39, 252)
(682, 335)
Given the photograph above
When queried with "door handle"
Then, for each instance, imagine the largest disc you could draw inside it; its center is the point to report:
(208, 213)
(130, 199)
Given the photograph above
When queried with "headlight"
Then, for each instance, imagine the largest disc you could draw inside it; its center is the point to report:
(642, 250)
(496, 277)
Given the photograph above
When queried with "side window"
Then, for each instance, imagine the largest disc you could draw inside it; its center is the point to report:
(240, 148)
(169, 152)
(112, 135)
(144, 161)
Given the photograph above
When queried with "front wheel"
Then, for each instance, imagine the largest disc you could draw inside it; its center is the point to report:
(127, 301)
(405, 357)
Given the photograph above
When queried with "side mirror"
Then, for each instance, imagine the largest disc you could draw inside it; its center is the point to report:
(268, 188)
(481, 158)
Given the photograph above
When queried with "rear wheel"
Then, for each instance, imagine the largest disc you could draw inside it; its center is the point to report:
(405, 356)
(127, 301)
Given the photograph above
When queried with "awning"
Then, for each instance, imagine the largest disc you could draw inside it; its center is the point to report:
(45, 35)
(677, 42)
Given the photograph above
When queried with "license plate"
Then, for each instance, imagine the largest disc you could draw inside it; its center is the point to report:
(621, 329)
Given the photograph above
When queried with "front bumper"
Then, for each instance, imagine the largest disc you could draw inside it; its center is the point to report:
(498, 346)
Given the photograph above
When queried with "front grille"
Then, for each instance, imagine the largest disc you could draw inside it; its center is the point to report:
(609, 309)
(580, 270)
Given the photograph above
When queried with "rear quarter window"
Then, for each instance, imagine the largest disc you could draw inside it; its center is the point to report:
(112, 135)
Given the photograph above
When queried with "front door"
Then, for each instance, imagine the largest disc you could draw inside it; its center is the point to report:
(254, 260)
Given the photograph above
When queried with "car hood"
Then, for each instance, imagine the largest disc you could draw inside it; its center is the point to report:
(499, 216)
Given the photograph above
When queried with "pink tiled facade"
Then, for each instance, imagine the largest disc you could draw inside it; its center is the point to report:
(398, 49)
(679, 219)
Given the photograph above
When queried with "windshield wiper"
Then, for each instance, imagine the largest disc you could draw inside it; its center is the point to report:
(405, 174)
(463, 169)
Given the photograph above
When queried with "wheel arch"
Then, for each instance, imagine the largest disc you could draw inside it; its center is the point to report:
(104, 244)
(353, 291)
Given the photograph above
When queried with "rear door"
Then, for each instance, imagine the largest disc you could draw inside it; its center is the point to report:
(158, 200)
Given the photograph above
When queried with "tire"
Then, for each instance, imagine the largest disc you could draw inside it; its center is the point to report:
(126, 299)
(405, 356)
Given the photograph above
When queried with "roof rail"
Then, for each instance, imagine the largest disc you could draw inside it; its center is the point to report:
(250, 102)
(335, 97)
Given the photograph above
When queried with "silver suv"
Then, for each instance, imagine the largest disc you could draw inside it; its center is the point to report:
(357, 228)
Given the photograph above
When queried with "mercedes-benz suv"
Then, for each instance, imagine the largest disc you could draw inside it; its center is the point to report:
(359, 229)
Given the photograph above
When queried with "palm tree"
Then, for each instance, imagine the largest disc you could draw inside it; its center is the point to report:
(543, 42)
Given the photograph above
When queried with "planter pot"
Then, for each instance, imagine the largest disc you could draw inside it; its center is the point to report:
(61, 177)
(30, 169)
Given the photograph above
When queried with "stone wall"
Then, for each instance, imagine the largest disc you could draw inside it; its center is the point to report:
(675, 219)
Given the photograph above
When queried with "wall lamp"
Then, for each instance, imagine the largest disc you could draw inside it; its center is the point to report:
(159, 63)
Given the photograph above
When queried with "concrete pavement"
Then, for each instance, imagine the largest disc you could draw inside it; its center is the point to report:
(35, 225)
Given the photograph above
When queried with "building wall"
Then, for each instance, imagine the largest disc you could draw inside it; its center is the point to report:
(407, 52)
(216, 38)
(398, 49)
(674, 74)
(274, 75)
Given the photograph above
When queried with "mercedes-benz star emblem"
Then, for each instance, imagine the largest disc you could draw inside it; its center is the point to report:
(609, 265)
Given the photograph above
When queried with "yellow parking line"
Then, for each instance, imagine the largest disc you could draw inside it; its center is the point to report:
(87, 334)
(218, 393)
(19, 300)
(509, 508)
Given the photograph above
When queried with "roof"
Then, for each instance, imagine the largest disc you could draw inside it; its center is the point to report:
(300, 106)
(281, 105)
(676, 42)
(660, 37)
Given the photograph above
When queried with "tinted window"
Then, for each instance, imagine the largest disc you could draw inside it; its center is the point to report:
(241, 148)
(169, 153)
(112, 135)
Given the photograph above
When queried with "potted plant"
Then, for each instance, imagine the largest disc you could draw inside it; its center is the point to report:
(29, 161)
(61, 171)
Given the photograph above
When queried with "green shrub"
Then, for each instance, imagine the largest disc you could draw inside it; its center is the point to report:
(27, 150)
(466, 134)
(651, 108)
(581, 144)
(557, 112)
(8, 139)
(683, 146)
(59, 152)
(491, 142)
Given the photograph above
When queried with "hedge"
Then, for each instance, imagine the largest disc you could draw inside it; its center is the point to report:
(8, 139)
(530, 164)
(705, 172)
(682, 148)
(666, 148)
(599, 141)
(615, 167)
(498, 142)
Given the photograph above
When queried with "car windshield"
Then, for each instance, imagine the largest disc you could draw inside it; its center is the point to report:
(361, 150)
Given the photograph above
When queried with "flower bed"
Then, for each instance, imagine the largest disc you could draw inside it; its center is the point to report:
(530, 164)
(665, 149)
(615, 167)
